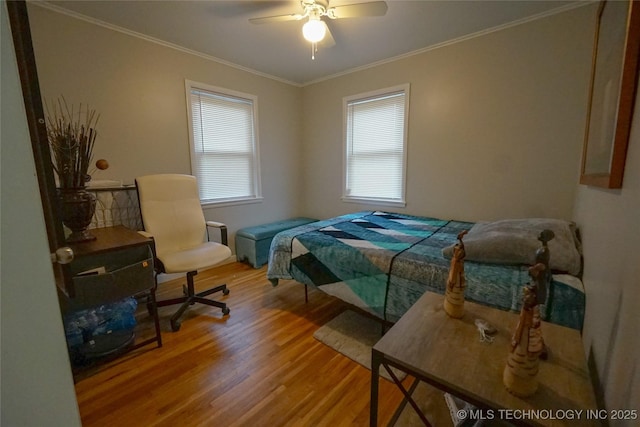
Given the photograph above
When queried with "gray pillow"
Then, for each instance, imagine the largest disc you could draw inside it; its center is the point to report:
(515, 241)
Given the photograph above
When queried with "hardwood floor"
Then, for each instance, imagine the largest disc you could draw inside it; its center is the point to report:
(260, 366)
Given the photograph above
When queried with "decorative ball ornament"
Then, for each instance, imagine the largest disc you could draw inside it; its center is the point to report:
(102, 164)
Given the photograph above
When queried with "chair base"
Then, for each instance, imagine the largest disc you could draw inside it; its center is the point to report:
(191, 297)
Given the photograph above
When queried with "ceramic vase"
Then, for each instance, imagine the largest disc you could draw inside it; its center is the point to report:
(77, 209)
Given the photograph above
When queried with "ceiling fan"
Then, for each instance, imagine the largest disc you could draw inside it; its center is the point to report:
(315, 29)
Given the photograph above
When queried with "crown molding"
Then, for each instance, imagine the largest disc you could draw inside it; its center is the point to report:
(85, 18)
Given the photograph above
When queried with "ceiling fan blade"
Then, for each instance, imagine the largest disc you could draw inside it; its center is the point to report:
(328, 40)
(277, 18)
(374, 8)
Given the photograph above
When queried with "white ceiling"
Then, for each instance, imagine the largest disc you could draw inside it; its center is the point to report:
(221, 30)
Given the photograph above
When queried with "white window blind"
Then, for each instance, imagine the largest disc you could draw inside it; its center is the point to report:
(375, 141)
(224, 148)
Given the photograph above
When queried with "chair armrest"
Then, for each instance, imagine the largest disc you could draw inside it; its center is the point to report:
(223, 231)
(145, 234)
(215, 224)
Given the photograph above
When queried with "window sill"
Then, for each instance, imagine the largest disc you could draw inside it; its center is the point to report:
(225, 203)
(377, 202)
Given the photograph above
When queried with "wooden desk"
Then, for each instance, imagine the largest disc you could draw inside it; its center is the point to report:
(127, 260)
(109, 239)
(448, 353)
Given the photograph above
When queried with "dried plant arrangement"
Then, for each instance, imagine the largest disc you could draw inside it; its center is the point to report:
(72, 134)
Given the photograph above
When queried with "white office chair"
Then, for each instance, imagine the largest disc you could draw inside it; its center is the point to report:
(173, 217)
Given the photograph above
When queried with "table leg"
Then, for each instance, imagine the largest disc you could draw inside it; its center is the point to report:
(156, 317)
(376, 359)
(408, 394)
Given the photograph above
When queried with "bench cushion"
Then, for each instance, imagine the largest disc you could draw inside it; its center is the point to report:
(253, 243)
(265, 231)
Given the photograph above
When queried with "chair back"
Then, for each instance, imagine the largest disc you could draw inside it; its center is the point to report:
(171, 211)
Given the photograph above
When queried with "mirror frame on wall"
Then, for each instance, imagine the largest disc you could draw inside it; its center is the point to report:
(611, 148)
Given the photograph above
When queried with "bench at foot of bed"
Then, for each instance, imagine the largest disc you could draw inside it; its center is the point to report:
(252, 243)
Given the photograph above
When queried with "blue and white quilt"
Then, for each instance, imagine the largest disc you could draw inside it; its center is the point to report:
(383, 262)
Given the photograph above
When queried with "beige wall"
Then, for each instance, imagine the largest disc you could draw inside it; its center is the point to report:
(495, 126)
(496, 119)
(138, 87)
(611, 239)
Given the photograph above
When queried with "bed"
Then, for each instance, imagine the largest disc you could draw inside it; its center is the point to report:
(382, 262)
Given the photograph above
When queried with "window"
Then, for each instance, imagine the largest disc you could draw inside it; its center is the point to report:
(375, 146)
(224, 144)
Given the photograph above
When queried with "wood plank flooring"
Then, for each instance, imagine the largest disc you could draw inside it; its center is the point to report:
(260, 366)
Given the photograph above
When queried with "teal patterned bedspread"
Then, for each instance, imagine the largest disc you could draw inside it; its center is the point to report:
(383, 262)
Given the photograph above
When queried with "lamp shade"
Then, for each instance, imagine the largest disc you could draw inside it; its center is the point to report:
(314, 30)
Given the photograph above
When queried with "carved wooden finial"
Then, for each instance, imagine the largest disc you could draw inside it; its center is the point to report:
(545, 236)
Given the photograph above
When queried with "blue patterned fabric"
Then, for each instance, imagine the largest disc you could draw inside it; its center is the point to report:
(383, 262)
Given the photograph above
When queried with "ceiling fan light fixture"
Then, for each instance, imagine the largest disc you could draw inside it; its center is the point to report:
(314, 30)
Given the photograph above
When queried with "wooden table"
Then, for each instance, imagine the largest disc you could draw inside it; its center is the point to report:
(448, 354)
(109, 239)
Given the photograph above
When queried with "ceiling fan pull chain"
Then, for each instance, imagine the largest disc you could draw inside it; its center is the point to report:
(314, 49)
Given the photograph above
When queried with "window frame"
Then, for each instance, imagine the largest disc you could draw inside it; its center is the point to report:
(372, 95)
(228, 93)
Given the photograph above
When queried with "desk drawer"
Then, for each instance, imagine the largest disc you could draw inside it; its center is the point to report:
(121, 276)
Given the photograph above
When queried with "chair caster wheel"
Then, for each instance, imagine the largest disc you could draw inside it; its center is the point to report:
(225, 311)
(225, 291)
(175, 326)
